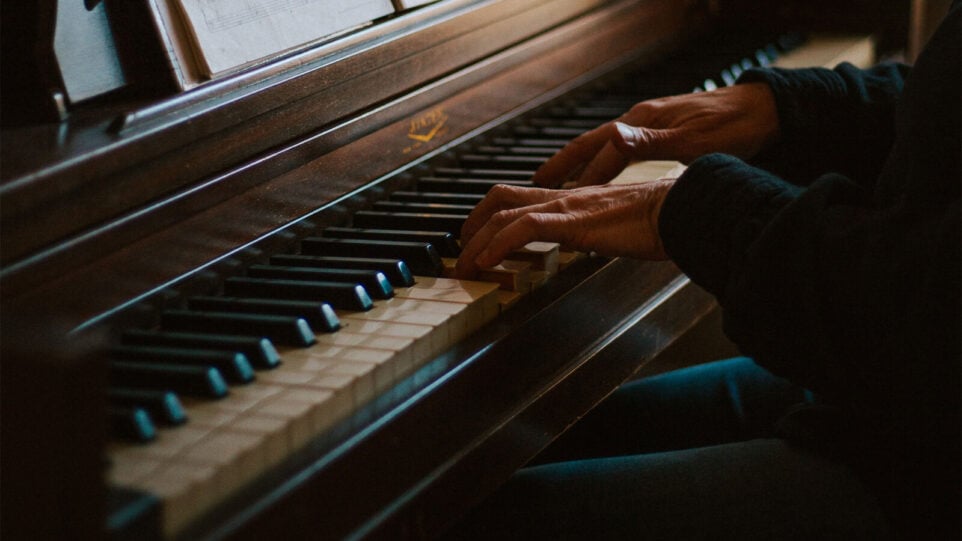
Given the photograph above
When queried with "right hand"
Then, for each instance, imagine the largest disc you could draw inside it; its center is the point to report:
(612, 220)
(740, 120)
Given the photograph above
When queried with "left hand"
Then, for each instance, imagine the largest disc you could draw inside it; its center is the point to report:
(740, 120)
(612, 220)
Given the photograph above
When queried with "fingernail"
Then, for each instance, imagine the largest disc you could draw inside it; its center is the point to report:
(627, 132)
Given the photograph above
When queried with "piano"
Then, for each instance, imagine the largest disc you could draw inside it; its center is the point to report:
(143, 228)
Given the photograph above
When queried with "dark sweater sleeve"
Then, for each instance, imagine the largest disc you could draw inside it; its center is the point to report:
(816, 284)
(855, 302)
(838, 120)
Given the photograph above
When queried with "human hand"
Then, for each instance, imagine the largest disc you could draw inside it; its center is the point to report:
(740, 120)
(612, 220)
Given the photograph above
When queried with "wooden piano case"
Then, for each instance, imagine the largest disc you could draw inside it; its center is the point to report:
(135, 202)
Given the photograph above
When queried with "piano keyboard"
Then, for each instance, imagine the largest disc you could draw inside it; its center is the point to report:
(230, 386)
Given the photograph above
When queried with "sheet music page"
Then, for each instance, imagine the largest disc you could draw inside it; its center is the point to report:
(231, 33)
(177, 43)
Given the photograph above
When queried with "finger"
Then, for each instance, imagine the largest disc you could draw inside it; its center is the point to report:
(578, 152)
(640, 143)
(526, 228)
(502, 197)
(468, 264)
(633, 144)
(627, 144)
(467, 267)
(606, 165)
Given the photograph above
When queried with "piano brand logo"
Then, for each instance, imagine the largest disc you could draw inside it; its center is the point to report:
(426, 127)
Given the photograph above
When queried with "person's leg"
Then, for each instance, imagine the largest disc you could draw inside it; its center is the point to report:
(707, 404)
(758, 489)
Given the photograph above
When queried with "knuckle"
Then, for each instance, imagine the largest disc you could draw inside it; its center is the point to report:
(643, 108)
(501, 218)
(529, 221)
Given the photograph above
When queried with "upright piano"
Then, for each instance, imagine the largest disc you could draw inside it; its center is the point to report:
(163, 241)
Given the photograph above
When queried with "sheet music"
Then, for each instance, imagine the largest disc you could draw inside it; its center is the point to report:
(177, 44)
(230, 33)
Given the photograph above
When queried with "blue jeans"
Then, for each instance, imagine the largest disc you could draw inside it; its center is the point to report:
(689, 454)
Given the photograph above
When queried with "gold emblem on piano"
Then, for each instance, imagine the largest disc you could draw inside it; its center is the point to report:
(426, 127)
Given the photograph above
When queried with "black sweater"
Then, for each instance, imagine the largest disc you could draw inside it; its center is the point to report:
(836, 260)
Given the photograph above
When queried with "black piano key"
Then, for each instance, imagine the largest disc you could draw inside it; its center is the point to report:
(727, 77)
(493, 162)
(762, 58)
(590, 112)
(438, 197)
(502, 175)
(735, 70)
(557, 143)
(373, 219)
(233, 365)
(584, 124)
(163, 406)
(445, 243)
(374, 282)
(546, 131)
(293, 331)
(131, 423)
(259, 351)
(319, 315)
(397, 271)
(204, 381)
(421, 257)
(428, 208)
(622, 103)
(544, 152)
(771, 51)
(465, 185)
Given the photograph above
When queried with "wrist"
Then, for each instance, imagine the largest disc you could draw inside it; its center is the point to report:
(765, 111)
(660, 189)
